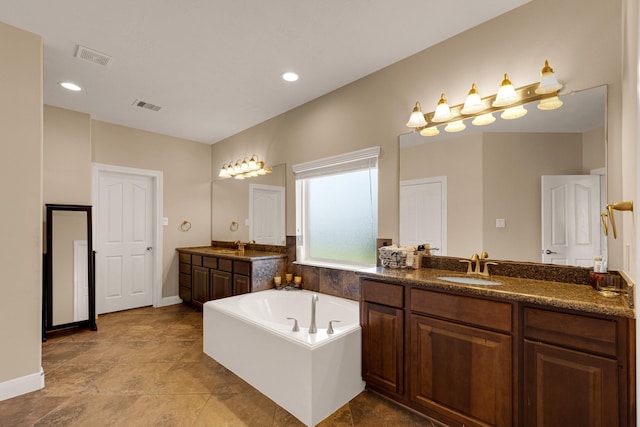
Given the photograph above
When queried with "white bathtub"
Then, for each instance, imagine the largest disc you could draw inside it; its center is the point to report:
(309, 375)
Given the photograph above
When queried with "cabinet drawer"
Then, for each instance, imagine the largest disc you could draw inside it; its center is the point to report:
(184, 258)
(196, 260)
(185, 268)
(383, 293)
(185, 280)
(571, 330)
(474, 311)
(242, 267)
(225, 265)
(210, 262)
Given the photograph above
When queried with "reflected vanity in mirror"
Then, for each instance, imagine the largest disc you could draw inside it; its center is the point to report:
(480, 189)
(250, 209)
(69, 286)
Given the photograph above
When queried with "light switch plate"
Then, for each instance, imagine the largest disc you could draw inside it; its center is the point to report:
(165, 221)
(501, 223)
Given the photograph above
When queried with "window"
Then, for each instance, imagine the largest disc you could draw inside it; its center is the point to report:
(337, 209)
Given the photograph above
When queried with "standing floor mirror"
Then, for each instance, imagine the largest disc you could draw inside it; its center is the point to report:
(69, 279)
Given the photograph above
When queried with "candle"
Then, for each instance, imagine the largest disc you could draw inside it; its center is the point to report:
(289, 277)
(277, 280)
(297, 280)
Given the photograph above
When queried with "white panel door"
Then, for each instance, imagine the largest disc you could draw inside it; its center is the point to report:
(125, 225)
(570, 219)
(423, 213)
(266, 213)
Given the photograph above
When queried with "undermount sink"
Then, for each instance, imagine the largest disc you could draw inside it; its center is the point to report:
(468, 280)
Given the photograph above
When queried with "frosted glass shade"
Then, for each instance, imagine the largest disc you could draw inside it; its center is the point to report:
(473, 104)
(506, 93)
(550, 103)
(416, 120)
(548, 81)
(456, 126)
(514, 112)
(484, 119)
(443, 113)
(430, 131)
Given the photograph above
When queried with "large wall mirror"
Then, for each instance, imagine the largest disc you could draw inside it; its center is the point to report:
(481, 189)
(69, 287)
(250, 209)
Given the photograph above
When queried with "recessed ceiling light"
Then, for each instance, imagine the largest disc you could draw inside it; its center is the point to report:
(70, 86)
(290, 76)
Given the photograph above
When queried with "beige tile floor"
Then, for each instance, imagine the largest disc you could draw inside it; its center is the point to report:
(145, 367)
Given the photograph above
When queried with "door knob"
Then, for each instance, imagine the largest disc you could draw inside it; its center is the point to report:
(149, 248)
(549, 252)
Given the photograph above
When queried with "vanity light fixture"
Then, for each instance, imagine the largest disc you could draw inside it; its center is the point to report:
(430, 131)
(506, 93)
(417, 118)
(443, 112)
(473, 104)
(550, 103)
(483, 119)
(508, 100)
(514, 112)
(247, 168)
(548, 81)
(456, 126)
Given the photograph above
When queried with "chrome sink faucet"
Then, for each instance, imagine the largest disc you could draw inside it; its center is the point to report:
(312, 327)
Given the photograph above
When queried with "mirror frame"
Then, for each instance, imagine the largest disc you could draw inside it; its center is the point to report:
(47, 291)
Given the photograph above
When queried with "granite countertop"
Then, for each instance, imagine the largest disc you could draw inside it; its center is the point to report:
(556, 294)
(247, 255)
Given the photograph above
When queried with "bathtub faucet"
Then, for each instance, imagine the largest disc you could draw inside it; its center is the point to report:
(312, 328)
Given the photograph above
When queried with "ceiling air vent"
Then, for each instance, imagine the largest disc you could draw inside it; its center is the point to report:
(142, 104)
(93, 56)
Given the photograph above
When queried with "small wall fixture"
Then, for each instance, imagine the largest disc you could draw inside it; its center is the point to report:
(508, 100)
(247, 168)
(626, 205)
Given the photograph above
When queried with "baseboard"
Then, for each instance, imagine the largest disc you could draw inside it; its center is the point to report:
(165, 301)
(22, 385)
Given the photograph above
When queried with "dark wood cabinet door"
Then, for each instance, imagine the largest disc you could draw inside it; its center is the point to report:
(199, 285)
(220, 284)
(461, 372)
(241, 284)
(383, 347)
(568, 388)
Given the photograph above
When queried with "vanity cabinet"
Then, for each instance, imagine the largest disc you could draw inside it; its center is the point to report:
(480, 360)
(205, 277)
(461, 357)
(382, 319)
(573, 369)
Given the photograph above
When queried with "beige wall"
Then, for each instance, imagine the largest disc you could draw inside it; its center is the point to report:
(594, 153)
(460, 160)
(186, 179)
(372, 111)
(512, 167)
(22, 211)
(67, 157)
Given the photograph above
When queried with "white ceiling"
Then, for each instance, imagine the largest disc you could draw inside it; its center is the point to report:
(214, 66)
